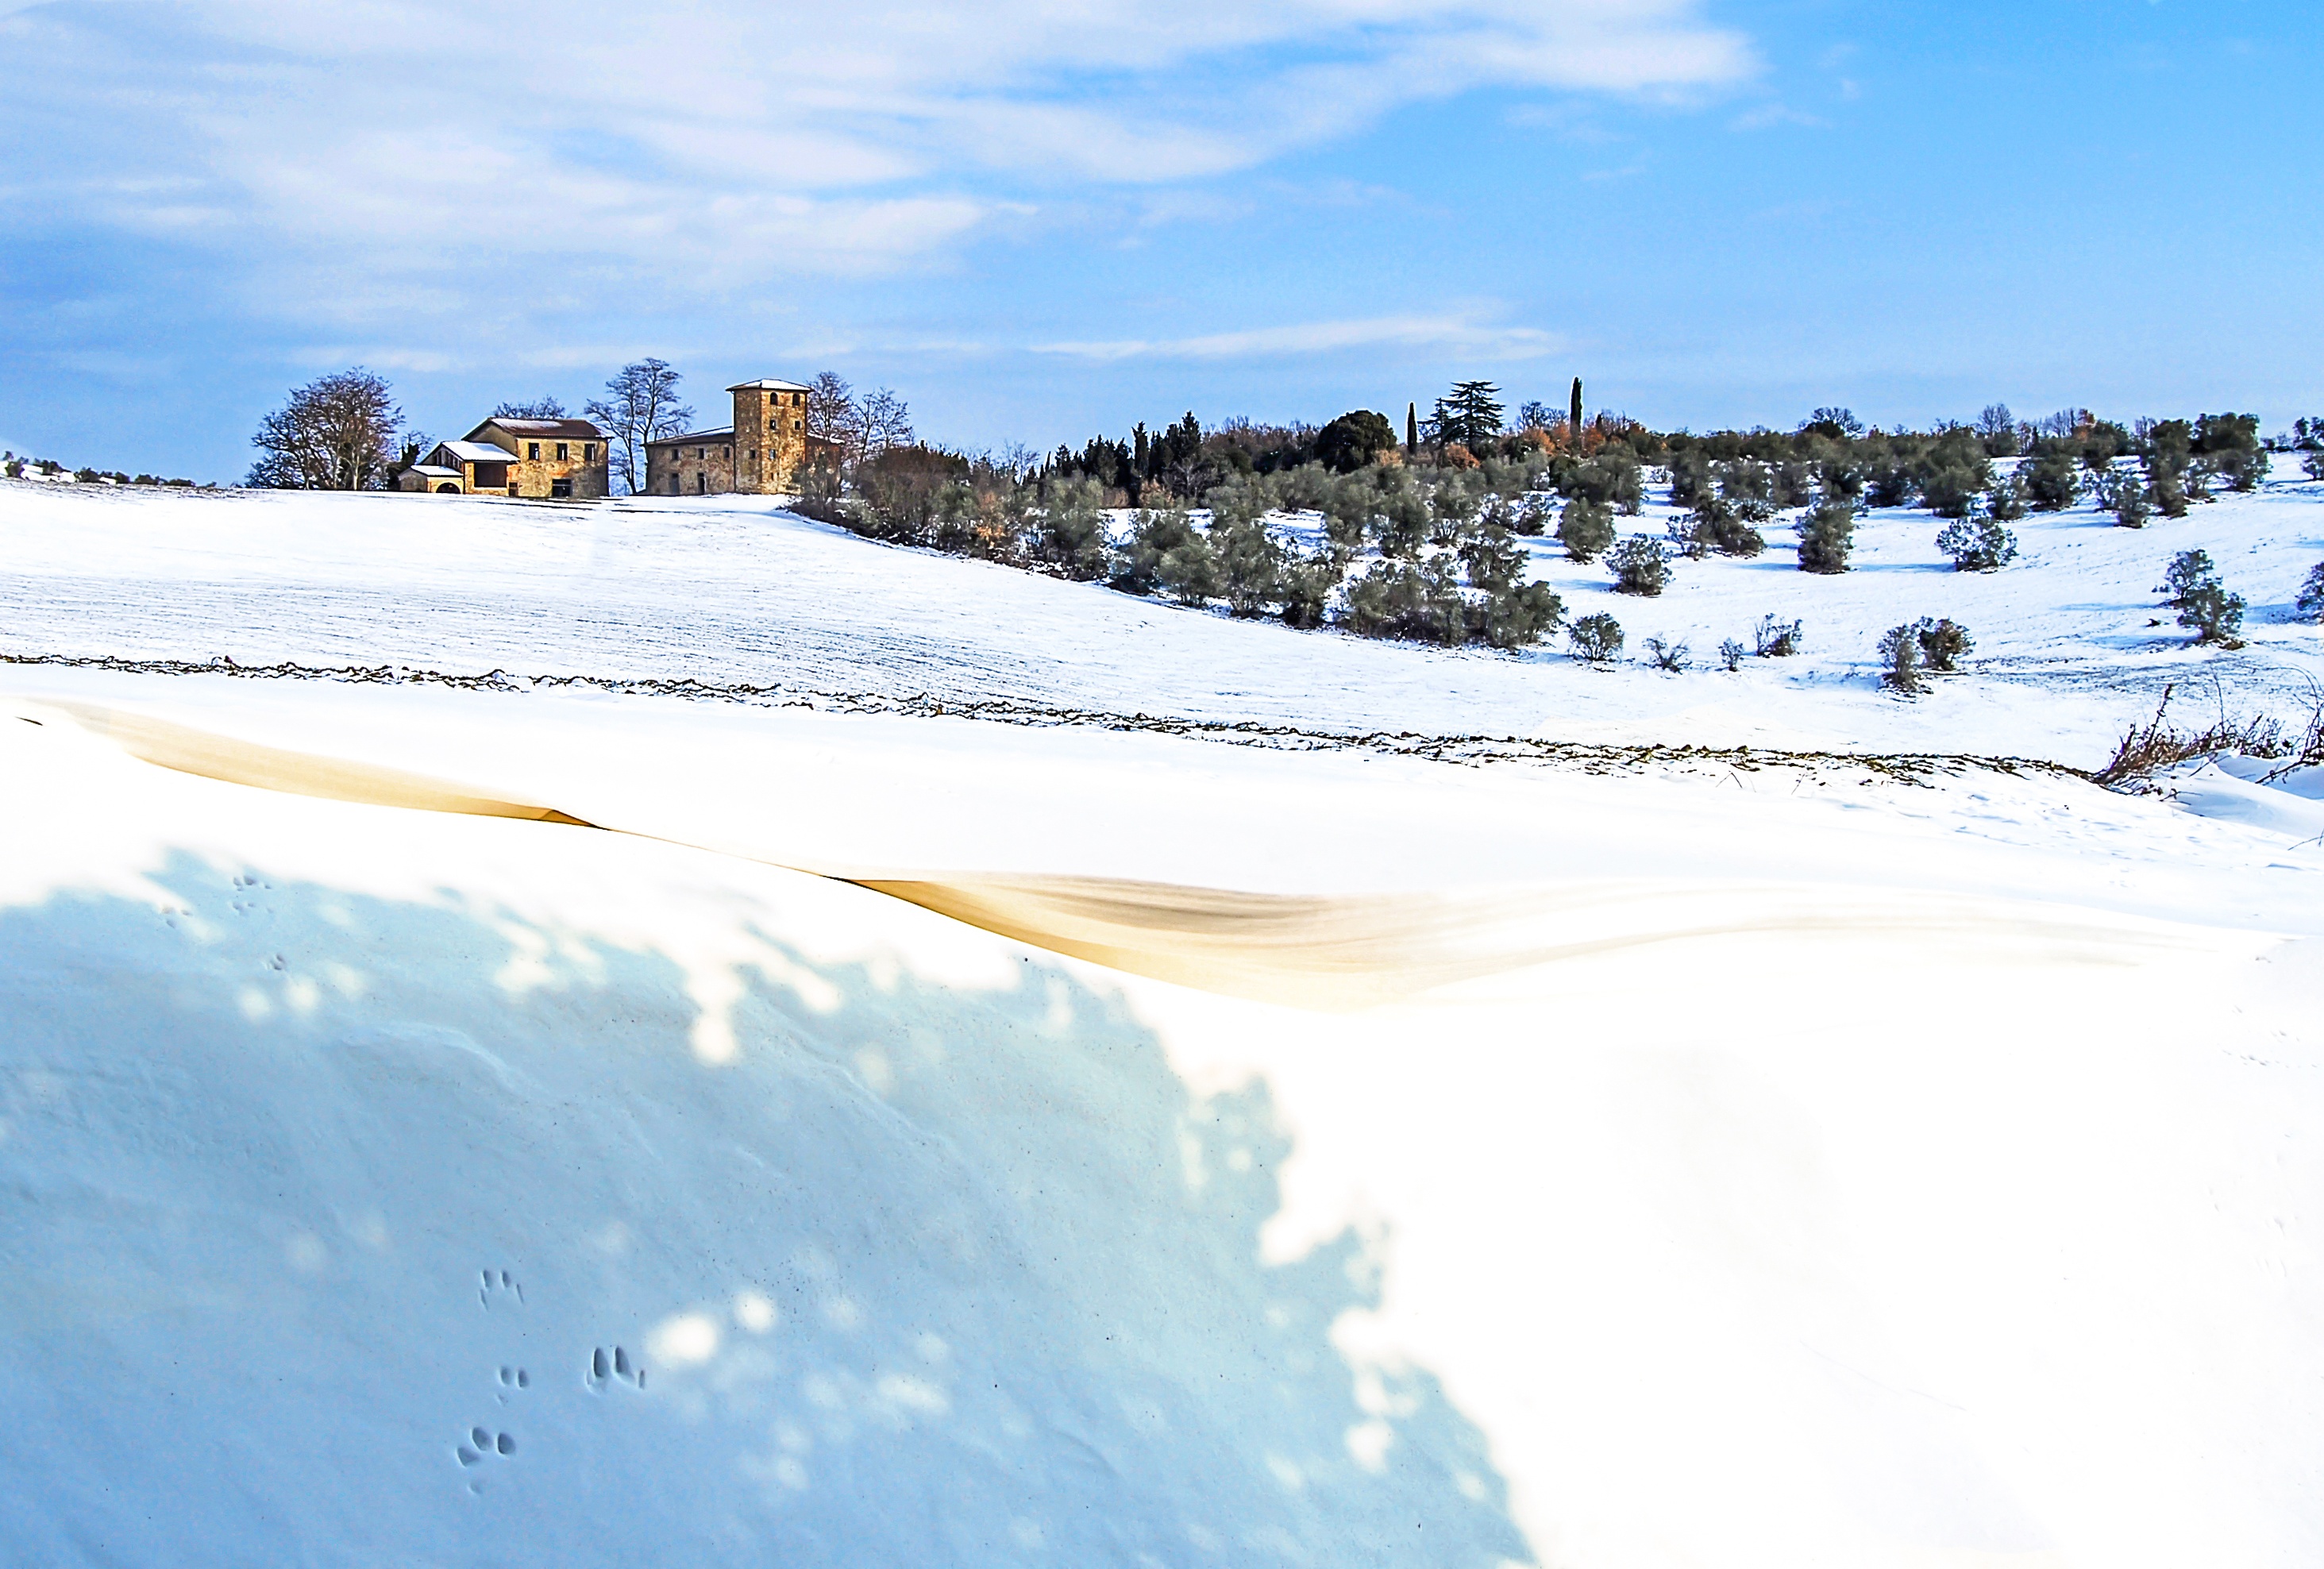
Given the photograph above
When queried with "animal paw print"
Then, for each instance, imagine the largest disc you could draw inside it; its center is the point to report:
(512, 1378)
(619, 1365)
(497, 1285)
(482, 1446)
(246, 896)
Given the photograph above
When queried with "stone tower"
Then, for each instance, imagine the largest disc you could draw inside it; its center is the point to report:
(769, 435)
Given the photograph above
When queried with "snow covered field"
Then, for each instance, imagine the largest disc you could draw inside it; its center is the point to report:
(1798, 1165)
(724, 590)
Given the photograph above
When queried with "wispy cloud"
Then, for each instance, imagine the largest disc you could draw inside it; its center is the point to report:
(422, 136)
(1442, 333)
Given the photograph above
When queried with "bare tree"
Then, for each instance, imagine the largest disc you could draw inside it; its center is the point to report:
(1997, 428)
(886, 421)
(538, 408)
(831, 411)
(337, 432)
(641, 406)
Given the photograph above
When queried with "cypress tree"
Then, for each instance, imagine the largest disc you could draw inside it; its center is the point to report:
(1411, 428)
(1573, 414)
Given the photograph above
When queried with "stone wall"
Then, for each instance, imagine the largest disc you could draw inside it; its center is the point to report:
(703, 466)
(770, 439)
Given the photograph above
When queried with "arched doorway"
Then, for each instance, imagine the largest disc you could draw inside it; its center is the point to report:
(447, 488)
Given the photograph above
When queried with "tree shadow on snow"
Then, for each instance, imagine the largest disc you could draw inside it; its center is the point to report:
(345, 1230)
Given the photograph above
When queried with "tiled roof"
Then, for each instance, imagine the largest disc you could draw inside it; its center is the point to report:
(722, 433)
(768, 385)
(579, 429)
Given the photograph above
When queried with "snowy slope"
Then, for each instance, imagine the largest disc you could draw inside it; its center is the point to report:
(1815, 1165)
(724, 591)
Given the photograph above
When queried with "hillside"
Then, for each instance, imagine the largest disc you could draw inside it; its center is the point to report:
(834, 1131)
(2072, 644)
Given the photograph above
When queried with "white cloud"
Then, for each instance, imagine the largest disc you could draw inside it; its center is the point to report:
(717, 146)
(1442, 333)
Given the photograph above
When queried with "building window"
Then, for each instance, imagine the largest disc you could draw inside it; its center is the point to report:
(588, 452)
(562, 452)
(532, 451)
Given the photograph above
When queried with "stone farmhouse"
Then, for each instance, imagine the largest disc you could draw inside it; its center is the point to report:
(760, 454)
(557, 459)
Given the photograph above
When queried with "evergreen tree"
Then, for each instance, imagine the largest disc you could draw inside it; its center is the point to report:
(1827, 536)
(1353, 440)
(1469, 414)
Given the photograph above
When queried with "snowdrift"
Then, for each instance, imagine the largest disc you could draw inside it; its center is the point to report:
(411, 1185)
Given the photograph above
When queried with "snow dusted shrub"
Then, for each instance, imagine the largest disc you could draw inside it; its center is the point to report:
(1595, 639)
(1943, 643)
(2193, 586)
(1612, 479)
(1951, 490)
(1530, 516)
(1901, 667)
(2188, 571)
(1641, 566)
(1250, 565)
(1586, 529)
(1306, 488)
(2006, 504)
(1348, 507)
(2244, 468)
(2052, 478)
(1420, 601)
(1664, 655)
(2125, 495)
(2308, 604)
(1164, 551)
(2168, 484)
(1690, 536)
(1690, 476)
(1827, 535)
(1733, 532)
(1731, 654)
(2312, 465)
(1747, 482)
(1070, 532)
(1516, 617)
(1775, 639)
(2216, 615)
(1307, 589)
(1402, 519)
(1978, 544)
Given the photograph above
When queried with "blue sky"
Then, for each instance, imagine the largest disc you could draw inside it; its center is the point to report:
(1037, 220)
